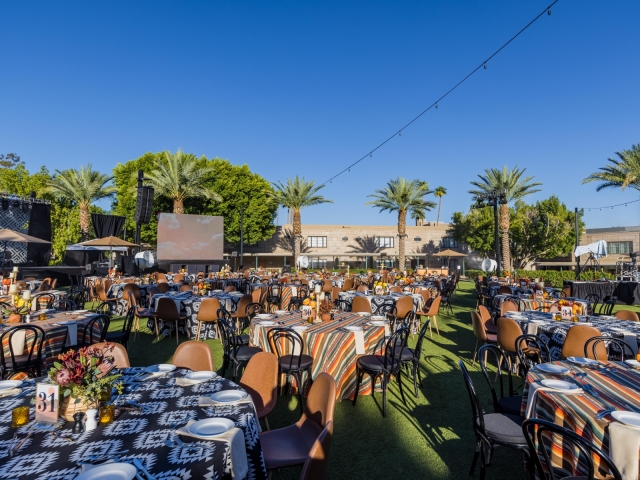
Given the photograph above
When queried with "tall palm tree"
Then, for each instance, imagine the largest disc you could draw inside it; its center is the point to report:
(296, 195)
(403, 196)
(516, 187)
(179, 177)
(439, 192)
(623, 172)
(81, 187)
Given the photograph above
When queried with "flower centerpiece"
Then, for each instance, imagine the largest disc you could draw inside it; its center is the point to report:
(568, 308)
(83, 376)
(325, 310)
(380, 287)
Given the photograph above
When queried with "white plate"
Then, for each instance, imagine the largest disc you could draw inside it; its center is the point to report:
(201, 375)
(620, 330)
(266, 323)
(9, 384)
(229, 396)
(210, 427)
(161, 368)
(264, 315)
(77, 312)
(281, 312)
(378, 317)
(353, 328)
(378, 323)
(551, 368)
(109, 471)
(582, 361)
(363, 314)
(300, 328)
(628, 418)
(558, 384)
(633, 363)
(67, 322)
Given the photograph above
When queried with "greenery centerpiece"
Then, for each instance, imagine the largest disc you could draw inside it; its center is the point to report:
(83, 376)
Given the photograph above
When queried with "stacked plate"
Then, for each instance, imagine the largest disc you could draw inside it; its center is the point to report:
(202, 375)
(353, 328)
(211, 427)
(111, 471)
(558, 385)
(229, 396)
(551, 368)
(582, 361)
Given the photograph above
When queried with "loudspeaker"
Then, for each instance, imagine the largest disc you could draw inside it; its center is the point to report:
(144, 205)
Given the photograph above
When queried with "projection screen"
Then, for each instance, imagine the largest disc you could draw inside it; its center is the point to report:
(184, 237)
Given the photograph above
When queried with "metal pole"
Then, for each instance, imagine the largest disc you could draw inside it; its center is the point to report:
(577, 244)
(496, 236)
(241, 236)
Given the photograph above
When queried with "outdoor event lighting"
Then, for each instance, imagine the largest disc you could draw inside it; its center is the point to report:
(493, 199)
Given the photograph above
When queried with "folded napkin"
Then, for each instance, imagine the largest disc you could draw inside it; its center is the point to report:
(72, 337)
(17, 342)
(184, 382)
(235, 439)
(535, 388)
(209, 402)
(532, 328)
(359, 337)
(256, 334)
(624, 443)
(10, 392)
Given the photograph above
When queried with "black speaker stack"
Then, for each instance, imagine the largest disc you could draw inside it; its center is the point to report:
(144, 205)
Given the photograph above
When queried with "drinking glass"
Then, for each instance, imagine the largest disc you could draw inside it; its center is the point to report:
(107, 413)
(19, 416)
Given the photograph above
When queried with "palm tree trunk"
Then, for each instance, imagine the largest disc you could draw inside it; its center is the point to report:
(504, 229)
(178, 205)
(85, 222)
(402, 229)
(439, 205)
(297, 234)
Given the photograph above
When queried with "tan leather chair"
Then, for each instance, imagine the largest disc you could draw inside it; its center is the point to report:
(186, 288)
(335, 293)
(432, 313)
(327, 286)
(504, 290)
(230, 288)
(508, 331)
(102, 295)
(193, 355)
(177, 278)
(106, 283)
(160, 277)
(164, 287)
(241, 312)
(168, 312)
(480, 333)
(53, 284)
(119, 353)
(488, 322)
(576, 338)
(289, 446)
(208, 312)
(507, 306)
(348, 284)
(260, 380)
(627, 315)
(566, 291)
(362, 288)
(360, 304)
(395, 289)
(404, 305)
(153, 291)
(134, 289)
(315, 467)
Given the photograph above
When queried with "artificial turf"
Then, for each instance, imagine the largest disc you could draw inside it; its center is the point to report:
(429, 438)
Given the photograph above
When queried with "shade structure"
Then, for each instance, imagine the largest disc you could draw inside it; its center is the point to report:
(449, 253)
(108, 242)
(7, 235)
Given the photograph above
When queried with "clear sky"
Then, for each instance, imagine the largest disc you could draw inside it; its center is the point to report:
(299, 87)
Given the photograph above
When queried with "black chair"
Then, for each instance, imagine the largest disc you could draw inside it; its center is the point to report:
(43, 301)
(491, 430)
(233, 351)
(531, 351)
(411, 357)
(606, 308)
(447, 296)
(65, 304)
(274, 292)
(383, 366)
(30, 362)
(511, 402)
(615, 348)
(302, 293)
(243, 323)
(98, 327)
(282, 340)
(122, 336)
(79, 294)
(539, 435)
(593, 299)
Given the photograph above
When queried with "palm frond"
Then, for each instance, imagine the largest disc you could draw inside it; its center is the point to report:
(298, 193)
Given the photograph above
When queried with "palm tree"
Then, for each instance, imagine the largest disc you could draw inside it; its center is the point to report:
(296, 195)
(515, 187)
(623, 172)
(179, 177)
(403, 196)
(439, 192)
(81, 187)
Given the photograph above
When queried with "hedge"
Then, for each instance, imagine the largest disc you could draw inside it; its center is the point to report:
(553, 278)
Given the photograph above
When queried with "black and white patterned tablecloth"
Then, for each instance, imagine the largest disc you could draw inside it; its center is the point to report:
(336, 282)
(143, 434)
(380, 304)
(553, 333)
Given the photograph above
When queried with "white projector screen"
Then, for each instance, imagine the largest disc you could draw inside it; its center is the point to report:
(184, 237)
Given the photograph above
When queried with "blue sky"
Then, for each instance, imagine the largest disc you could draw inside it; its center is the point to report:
(308, 87)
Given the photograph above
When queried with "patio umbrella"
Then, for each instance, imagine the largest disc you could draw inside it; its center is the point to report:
(448, 253)
(7, 235)
(110, 241)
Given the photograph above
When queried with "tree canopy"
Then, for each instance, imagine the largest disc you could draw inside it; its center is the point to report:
(622, 172)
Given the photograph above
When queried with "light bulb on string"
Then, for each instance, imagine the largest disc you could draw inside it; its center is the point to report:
(549, 12)
(485, 66)
(400, 133)
(436, 105)
(371, 154)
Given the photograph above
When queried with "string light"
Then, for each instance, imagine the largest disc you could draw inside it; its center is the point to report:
(611, 206)
(435, 104)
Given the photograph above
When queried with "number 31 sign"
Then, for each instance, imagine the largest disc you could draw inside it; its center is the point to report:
(47, 396)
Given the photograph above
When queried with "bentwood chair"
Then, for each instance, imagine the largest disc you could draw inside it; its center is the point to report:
(29, 361)
(117, 351)
(315, 466)
(233, 351)
(122, 336)
(294, 364)
(43, 301)
(531, 351)
(542, 437)
(140, 313)
(95, 330)
(383, 366)
(614, 347)
(411, 357)
(290, 446)
(629, 315)
(577, 338)
(509, 403)
(193, 355)
(260, 380)
(491, 430)
(606, 308)
(168, 312)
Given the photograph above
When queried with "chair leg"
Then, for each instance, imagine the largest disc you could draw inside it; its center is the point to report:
(475, 353)
(435, 321)
(298, 377)
(266, 423)
(384, 396)
(476, 454)
(400, 384)
(415, 379)
(198, 331)
(177, 343)
(358, 375)
(155, 320)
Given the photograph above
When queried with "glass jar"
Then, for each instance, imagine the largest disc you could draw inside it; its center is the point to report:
(19, 416)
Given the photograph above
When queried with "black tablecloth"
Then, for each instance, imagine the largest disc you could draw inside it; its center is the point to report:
(628, 293)
(142, 434)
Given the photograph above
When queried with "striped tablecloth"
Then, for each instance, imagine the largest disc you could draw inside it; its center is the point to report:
(380, 304)
(618, 389)
(289, 290)
(333, 350)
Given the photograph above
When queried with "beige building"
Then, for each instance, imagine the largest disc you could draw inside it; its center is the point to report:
(359, 246)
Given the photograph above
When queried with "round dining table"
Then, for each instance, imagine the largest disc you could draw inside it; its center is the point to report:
(144, 429)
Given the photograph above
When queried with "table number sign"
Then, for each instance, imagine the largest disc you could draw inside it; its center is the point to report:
(47, 402)
(306, 311)
(566, 311)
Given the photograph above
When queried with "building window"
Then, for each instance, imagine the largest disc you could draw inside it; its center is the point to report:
(384, 242)
(316, 262)
(619, 248)
(317, 242)
(449, 242)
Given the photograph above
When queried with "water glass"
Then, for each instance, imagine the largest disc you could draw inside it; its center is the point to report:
(19, 416)
(107, 413)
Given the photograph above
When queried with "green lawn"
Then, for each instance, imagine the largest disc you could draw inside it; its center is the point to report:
(431, 437)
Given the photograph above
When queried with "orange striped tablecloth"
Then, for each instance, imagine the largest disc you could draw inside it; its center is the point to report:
(333, 351)
(618, 389)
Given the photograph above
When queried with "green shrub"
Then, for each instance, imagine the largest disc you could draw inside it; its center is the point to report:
(552, 278)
